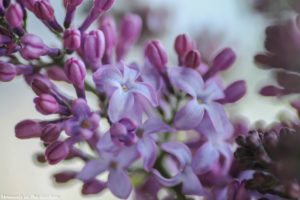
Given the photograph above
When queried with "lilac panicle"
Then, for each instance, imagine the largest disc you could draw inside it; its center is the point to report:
(92, 48)
(99, 7)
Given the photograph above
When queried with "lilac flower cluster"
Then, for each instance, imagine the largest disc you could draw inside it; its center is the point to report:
(171, 118)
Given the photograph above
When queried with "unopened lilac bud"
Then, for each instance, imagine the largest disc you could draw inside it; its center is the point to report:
(108, 27)
(99, 7)
(103, 5)
(130, 30)
(7, 71)
(72, 39)
(65, 176)
(32, 47)
(183, 44)
(28, 129)
(72, 2)
(92, 48)
(50, 133)
(46, 104)
(43, 10)
(156, 54)
(234, 92)
(93, 187)
(29, 4)
(56, 152)
(57, 74)
(14, 15)
(41, 85)
(193, 59)
(75, 71)
(271, 91)
(221, 62)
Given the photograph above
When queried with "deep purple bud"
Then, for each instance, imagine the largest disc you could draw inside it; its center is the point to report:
(193, 59)
(93, 187)
(235, 92)
(43, 10)
(92, 48)
(29, 4)
(221, 62)
(108, 27)
(7, 71)
(72, 2)
(40, 85)
(32, 47)
(65, 176)
(271, 91)
(50, 133)
(56, 152)
(57, 74)
(14, 15)
(130, 30)
(75, 71)
(183, 44)
(72, 39)
(46, 104)
(28, 129)
(103, 5)
(156, 54)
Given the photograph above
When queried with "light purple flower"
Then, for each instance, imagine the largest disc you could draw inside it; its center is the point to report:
(216, 145)
(143, 136)
(203, 98)
(123, 88)
(84, 122)
(118, 181)
(186, 175)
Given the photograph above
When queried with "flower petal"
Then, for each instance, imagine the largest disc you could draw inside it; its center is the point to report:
(191, 184)
(187, 80)
(180, 151)
(148, 151)
(204, 159)
(119, 183)
(212, 92)
(145, 90)
(120, 103)
(189, 116)
(92, 169)
(153, 125)
(107, 77)
(130, 73)
(80, 108)
(127, 156)
(168, 182)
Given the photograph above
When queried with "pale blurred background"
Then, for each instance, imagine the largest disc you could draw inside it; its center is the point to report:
(231, 22)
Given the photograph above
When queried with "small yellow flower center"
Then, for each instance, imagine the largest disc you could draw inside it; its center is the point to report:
(124, 88)
(113, 165)
(85, 124)
(199, 101)
(140, 133)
